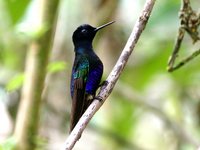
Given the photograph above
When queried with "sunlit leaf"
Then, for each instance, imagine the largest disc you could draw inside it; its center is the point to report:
(54, 67)
(32, 31)
(16, 9)
(15, 83)
(8, 144)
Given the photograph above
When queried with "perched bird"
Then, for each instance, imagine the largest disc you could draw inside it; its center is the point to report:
(86, 72)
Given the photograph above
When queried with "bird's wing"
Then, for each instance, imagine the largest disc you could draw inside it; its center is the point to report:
(78, 83)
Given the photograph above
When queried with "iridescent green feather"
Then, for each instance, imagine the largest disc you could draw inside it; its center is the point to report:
(82, 69)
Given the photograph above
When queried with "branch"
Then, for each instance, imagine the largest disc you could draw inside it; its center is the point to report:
(113, 76)
(185, 60)
(26, 126)
(189, 22)
(179, 39)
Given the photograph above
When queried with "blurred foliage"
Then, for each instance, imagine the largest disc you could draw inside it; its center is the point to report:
(41, 142)
(54, 67)
(176, 94)
(8, 144)
(16, 9)
(15, 83)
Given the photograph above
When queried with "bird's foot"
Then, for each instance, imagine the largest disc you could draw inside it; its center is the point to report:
(103, 83)
(98, 98)
(89, 97)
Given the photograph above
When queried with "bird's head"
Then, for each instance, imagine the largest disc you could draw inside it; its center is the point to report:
(86, 33)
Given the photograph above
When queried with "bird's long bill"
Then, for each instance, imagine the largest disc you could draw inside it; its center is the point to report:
(100, 27)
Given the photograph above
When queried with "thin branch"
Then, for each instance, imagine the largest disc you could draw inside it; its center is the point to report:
(185, 60)
(177, 46)
(189, 22)
(113, 76)
(27, 121)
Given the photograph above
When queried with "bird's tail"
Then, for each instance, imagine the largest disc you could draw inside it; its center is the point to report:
(80, 103)
(77, 107)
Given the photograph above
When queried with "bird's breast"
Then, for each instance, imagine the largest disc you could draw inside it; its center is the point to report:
(94, 77)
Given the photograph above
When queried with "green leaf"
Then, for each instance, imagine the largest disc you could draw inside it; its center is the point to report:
(41, 142)
(34, 31)
(54, 67)
(15, 83)
(8, 144)
(16, 9)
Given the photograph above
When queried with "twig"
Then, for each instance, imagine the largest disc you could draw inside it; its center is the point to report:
(186, 60)
(189, 22)
(113, 76)
(177, 46)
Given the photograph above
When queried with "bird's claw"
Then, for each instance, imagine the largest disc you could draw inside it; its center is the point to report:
(103, 83)
(98, 98)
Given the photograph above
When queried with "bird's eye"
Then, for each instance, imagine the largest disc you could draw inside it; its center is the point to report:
(83, 31)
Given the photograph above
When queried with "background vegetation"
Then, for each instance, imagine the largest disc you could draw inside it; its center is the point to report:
(149, 109)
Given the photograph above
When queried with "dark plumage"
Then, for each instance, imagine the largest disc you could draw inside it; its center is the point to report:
(86, 72)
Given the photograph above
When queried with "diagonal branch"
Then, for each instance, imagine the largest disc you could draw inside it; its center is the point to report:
(113, 76)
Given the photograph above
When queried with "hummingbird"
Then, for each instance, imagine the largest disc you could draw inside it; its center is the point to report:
(87, 71)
